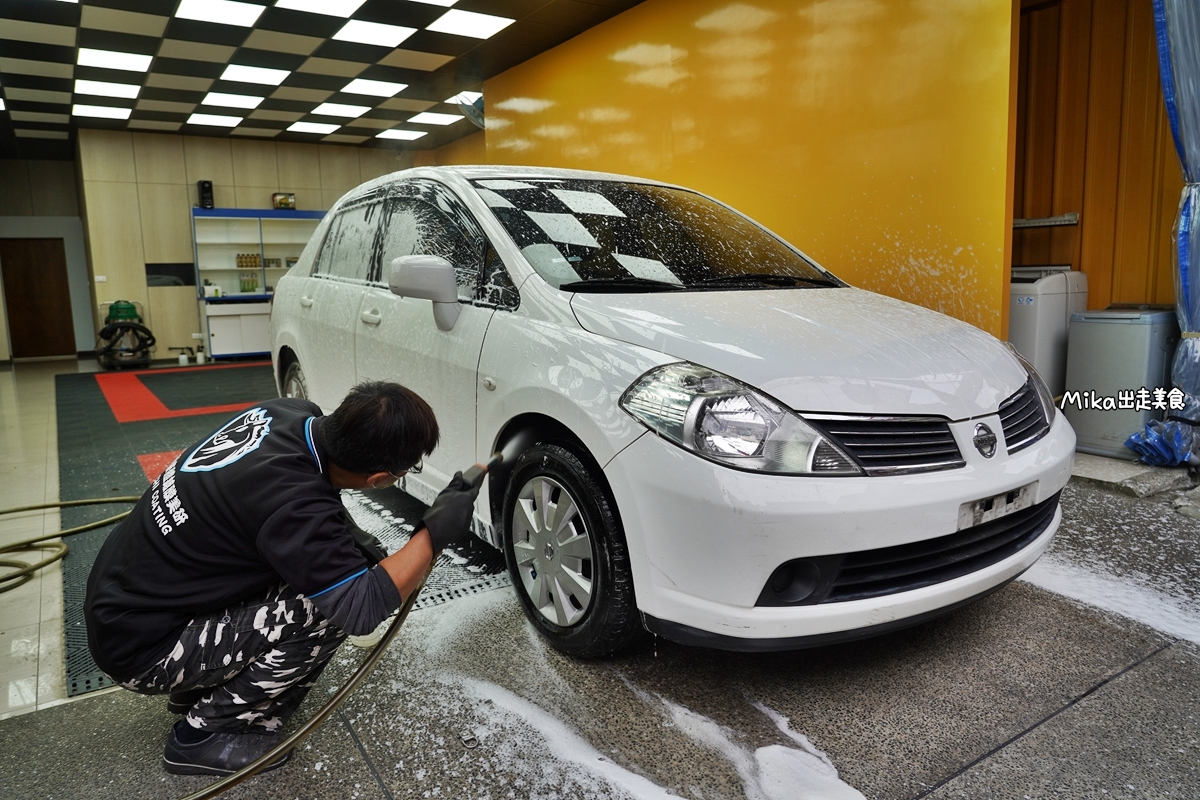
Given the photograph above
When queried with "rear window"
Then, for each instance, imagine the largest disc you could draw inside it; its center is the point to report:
(581, 231)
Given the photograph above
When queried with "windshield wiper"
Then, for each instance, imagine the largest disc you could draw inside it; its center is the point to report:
(765, 279)
(620, 283)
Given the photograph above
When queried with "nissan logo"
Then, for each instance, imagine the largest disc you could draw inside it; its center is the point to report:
(985, 440)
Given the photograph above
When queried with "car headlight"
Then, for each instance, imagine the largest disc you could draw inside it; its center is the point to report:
(1043, 391)
(726, 421)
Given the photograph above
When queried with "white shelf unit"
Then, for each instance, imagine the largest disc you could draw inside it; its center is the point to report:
(222, 234)
(238, 321)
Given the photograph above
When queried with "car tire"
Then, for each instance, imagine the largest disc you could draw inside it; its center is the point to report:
(569, 564)
(294, 384)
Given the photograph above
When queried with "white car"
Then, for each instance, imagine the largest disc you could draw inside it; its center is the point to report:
(717, 440)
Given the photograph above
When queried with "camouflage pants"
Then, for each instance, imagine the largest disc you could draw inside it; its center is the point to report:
(259, 658)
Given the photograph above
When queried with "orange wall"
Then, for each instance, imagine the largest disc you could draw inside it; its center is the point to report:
(873, 134)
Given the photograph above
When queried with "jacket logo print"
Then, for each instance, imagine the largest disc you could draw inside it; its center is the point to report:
(239, 436)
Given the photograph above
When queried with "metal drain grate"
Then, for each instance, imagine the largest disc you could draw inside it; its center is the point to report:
(82, 673)
(462, 590)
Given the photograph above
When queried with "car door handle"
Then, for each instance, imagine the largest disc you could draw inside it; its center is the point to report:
(370, 317)
(306, 302)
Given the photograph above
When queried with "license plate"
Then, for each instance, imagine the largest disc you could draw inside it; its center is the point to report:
(990, 508)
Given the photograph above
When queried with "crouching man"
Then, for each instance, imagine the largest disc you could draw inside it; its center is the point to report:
(239, 573)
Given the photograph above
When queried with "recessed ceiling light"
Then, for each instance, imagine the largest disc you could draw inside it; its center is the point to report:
(106, 89)
(312, 127)
(430, 118)
(340, 110)
(272, 77)
(442, 3)
(231, 100)
(107, 112)
(468, 23)
(225, 12)
(374, 88)
(214, 119)
(1, 103)
(111, 59)
(373, 33)
(332, 8)
(395, 134)
(464, 97)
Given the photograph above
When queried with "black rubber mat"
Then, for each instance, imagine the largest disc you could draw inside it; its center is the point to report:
(98, 457)
(193, 388)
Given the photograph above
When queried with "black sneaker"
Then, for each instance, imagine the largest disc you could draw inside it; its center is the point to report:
(182, 702)
(220, 753)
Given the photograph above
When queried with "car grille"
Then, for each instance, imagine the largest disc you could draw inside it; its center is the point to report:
(893, 445)
(889, 570)
(1022, 418)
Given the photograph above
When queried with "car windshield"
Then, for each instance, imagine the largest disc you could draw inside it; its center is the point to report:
(589, 235)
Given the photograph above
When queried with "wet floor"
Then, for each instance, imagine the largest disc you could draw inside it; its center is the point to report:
(1028, 693)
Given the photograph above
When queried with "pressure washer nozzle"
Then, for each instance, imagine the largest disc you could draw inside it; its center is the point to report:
(476, 474)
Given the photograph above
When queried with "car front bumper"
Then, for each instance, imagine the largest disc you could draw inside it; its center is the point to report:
(704, 539)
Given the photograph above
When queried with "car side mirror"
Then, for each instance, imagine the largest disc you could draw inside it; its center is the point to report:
(427, 278)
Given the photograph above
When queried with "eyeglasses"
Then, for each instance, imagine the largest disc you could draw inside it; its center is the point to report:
(415, 469)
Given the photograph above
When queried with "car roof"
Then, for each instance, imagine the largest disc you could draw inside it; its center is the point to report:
(457, 174)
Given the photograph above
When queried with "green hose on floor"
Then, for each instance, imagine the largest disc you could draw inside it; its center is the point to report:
(24, 572)
(40, 544)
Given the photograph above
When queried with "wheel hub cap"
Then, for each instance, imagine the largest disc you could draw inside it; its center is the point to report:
(553, 551)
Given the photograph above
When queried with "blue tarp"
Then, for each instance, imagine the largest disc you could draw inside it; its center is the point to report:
(1177, 31)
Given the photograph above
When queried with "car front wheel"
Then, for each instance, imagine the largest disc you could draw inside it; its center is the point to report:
(293, 382)
(567, 555)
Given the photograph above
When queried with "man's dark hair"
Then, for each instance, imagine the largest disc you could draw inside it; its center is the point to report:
(380, 427)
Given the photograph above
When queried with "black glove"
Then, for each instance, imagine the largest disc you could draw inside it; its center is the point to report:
(449, 518)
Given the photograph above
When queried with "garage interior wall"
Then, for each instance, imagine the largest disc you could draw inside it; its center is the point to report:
(1093, 138)
(138, 190)
(874, 136)
(38, 201)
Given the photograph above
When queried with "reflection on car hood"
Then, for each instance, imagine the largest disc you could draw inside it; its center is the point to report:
(828, 350)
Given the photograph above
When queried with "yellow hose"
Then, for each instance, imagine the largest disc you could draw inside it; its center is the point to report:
(23, 571)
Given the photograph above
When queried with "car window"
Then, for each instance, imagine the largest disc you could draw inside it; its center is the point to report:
(349, 247)
(587, 230)
(426, 219)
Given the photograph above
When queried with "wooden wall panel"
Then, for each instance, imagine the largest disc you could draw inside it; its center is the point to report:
(159, 158)
(16, 200)
(166, 223)
(173, 316)
(1074, 55)
(52, 188)
(1137, 202)
(1111, 157)
(299, 167)
(339, 169)
(1040, 123)
(1103, 143)
(1169, 184)
(115, 241)
(107, 156)
(210, 159)
(254, 165)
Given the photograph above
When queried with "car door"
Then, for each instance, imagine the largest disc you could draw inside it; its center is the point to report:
(397, 338)
(331, 299)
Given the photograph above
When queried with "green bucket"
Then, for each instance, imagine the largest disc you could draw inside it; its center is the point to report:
(122, 311)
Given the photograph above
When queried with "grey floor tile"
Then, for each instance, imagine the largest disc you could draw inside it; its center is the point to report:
(1136, 737)
(108, 746)
(895, 715)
